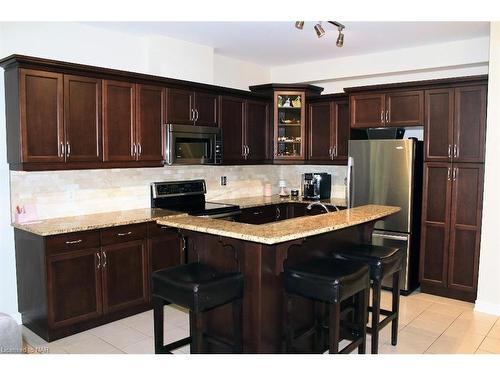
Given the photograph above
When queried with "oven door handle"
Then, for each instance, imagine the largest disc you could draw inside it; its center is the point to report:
(225, 214)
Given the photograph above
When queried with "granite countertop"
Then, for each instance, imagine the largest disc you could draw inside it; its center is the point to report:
(281, 231)
(249, 202)
(94, 221)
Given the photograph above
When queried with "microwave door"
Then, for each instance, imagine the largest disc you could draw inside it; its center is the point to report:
(191, 149)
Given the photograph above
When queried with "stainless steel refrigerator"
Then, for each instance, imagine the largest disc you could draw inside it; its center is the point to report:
(389, 172)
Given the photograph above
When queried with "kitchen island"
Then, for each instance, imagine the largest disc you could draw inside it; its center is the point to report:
(259, 253)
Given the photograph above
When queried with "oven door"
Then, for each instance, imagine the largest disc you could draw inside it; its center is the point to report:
(189, 144)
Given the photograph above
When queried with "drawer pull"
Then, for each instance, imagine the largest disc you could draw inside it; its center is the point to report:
(164, 227)
(73, 242)
(257, 213)
(124, 234)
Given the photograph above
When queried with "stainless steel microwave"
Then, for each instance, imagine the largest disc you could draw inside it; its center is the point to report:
(191, 144)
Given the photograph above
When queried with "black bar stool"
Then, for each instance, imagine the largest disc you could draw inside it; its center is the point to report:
(383, 261)
(199, 288)
(328, 281)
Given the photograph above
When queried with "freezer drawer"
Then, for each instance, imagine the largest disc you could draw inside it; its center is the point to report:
(402, 241)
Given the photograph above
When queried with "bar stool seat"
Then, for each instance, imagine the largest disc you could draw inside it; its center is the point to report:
(328, 281)
(383, 262)
(197, 287)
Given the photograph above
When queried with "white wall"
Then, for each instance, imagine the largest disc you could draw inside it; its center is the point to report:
(488, 298)
(460, 58)
(239, 74)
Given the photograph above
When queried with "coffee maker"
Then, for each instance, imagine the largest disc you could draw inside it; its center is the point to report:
(316, 185)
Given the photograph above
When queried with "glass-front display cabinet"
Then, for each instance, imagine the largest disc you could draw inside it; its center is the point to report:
(289, 118)
(289, 125)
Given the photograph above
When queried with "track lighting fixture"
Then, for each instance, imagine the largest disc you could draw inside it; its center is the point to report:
(320, 31)
(299, 25)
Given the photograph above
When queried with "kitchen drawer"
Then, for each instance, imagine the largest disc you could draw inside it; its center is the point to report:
(156, 230)
(72, 241)
(123, 233)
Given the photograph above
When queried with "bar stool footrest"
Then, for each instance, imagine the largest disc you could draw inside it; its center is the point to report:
(167, 349)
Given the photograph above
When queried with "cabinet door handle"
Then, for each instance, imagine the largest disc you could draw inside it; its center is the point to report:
(455, 151)
(139, 148)
(243, 151)
(387, 118)
(132, 149)
(73, 242)
(449, 174)
(125, 234)
(197, 114)
(334, 153)
(455, 174)
(449, 151)
(60, 151)
(68, 149)
(248, 150)
(278, 213)
(330, 151)
(382, 117)
(98, 260)
(191, 116)
(105, 259)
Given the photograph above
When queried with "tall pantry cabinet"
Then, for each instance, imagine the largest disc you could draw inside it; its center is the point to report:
(454, 133)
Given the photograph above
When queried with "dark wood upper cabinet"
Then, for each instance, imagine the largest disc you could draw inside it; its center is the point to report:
(438, 128)
(435, 223)
(205, 109)
(398, 108)
(367, 110)
(343, 131)
(320, 131)
(455, 124)
(256, 130)
(465, 227)
(328, 130)
(74, 287)
(404, 108)
(231, 121)
(469, 131)
(180, 106)
(41, 116)
(191, 108)
(150, 117)
(124, 275)
(82, 118)
(119, 121)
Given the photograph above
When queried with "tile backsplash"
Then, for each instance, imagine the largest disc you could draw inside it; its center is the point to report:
(68, 193)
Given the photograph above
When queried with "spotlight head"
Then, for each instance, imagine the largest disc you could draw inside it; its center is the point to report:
(340, 39)
(319, 30)
(299, 25)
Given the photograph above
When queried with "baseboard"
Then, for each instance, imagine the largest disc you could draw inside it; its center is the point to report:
(487, 307)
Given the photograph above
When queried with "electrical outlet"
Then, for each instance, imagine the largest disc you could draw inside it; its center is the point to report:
(223, 180)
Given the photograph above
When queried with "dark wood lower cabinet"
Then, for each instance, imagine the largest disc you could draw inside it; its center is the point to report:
(74, 286)
(72, 282)
(451, 226)
(124, 275)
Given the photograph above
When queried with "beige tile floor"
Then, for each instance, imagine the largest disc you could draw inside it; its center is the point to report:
(428, 324)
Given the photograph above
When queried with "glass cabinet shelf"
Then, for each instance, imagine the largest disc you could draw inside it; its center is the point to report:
(289, 123)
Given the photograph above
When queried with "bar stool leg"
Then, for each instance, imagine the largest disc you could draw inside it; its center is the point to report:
(395, 308)
(334, 327)
(196, 328)
(319, 314)
(158, 304)
(377, 291)
(237, 326)
(362, 313)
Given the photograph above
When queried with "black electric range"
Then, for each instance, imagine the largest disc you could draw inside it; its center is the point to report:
(189, 197)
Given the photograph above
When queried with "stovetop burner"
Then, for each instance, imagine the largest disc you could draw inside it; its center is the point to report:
(189, 197)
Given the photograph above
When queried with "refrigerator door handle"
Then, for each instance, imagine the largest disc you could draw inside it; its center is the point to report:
(350, 181)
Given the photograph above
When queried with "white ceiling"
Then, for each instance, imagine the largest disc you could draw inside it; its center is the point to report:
(280, 43)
